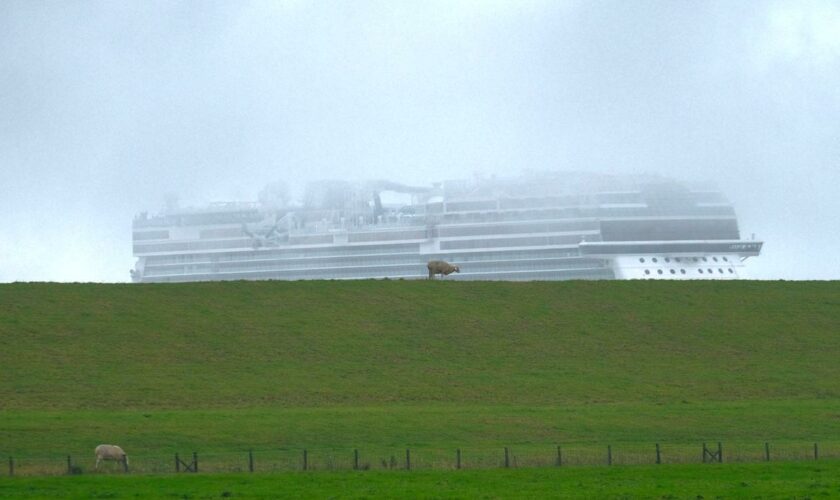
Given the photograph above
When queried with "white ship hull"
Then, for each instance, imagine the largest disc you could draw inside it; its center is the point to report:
(546, 229)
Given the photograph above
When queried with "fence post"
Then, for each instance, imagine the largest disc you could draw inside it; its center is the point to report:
(609, 454)
(11, 466)
(720, 453)
(125, 463)
(177, 463)
(457, 459)
(559, 456)
(407, 459)
(507, 458)
(658, 456)
(816, 455)
(69, 465)
(195, 462)
(305, 460)
(766, 451)
(250, 460)
(355, 459)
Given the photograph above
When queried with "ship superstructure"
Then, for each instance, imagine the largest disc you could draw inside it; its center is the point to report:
(550, 226)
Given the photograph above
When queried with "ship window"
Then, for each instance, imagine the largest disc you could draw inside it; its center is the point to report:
(720, 270)
(647, 271)
(676, 259)
(642, 260)
(667, 259)
(705, 259)
(694, 259)
(654, 259)
(659, 271)
(700, 271)
(731, 271)
(725, 259)
(710, 271)
(673, 272)
(682, 271)
(714, 259)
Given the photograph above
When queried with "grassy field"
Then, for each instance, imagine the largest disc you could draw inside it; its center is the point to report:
(224, 367)
(782, 480)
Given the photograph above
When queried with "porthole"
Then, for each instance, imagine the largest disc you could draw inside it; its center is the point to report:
(710, 271)
(714, 259)
(731, 271)
(725, 259)
(720, 270)
(647, 271)
(673, 272)
(705, 259)
(676, 259)
(682, 271)
(654, 259)
(700, 271)
(667, 259)
(642, 260)
(659, 271)
(694, 259)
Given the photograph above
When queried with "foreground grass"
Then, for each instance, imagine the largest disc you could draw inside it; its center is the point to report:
(780, 480)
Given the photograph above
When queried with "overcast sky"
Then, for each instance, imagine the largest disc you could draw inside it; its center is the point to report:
(105, 107)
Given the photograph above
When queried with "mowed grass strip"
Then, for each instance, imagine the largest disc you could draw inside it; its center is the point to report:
(160, 433)
(779, 480)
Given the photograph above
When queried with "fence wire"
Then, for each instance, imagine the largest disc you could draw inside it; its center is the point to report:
(421, 458)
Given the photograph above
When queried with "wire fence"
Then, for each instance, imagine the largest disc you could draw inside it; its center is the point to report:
(423, 458)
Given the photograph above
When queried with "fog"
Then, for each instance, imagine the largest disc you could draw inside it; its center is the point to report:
(107, 107)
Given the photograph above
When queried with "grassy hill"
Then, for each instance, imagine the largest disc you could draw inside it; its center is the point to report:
(341, 363)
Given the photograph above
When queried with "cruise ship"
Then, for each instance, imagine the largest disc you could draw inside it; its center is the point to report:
(539, 226)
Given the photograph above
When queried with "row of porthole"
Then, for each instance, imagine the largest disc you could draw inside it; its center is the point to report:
(700, 271)
(687, 259)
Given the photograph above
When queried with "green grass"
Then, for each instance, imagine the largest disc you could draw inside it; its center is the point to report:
(220, 367)
(436, 430)
(780, 480)
(309, 344)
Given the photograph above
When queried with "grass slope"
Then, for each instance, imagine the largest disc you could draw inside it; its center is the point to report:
(437, 364)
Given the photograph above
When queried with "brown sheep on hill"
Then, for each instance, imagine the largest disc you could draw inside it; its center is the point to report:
(442, 268)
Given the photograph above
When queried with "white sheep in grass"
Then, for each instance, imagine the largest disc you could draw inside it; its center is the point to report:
(441, 267)
(110, 452)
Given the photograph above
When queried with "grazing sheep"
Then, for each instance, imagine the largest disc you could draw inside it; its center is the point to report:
(442, 268)
(110, 452)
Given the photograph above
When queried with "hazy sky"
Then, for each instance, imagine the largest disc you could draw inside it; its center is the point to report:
(105, 107)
